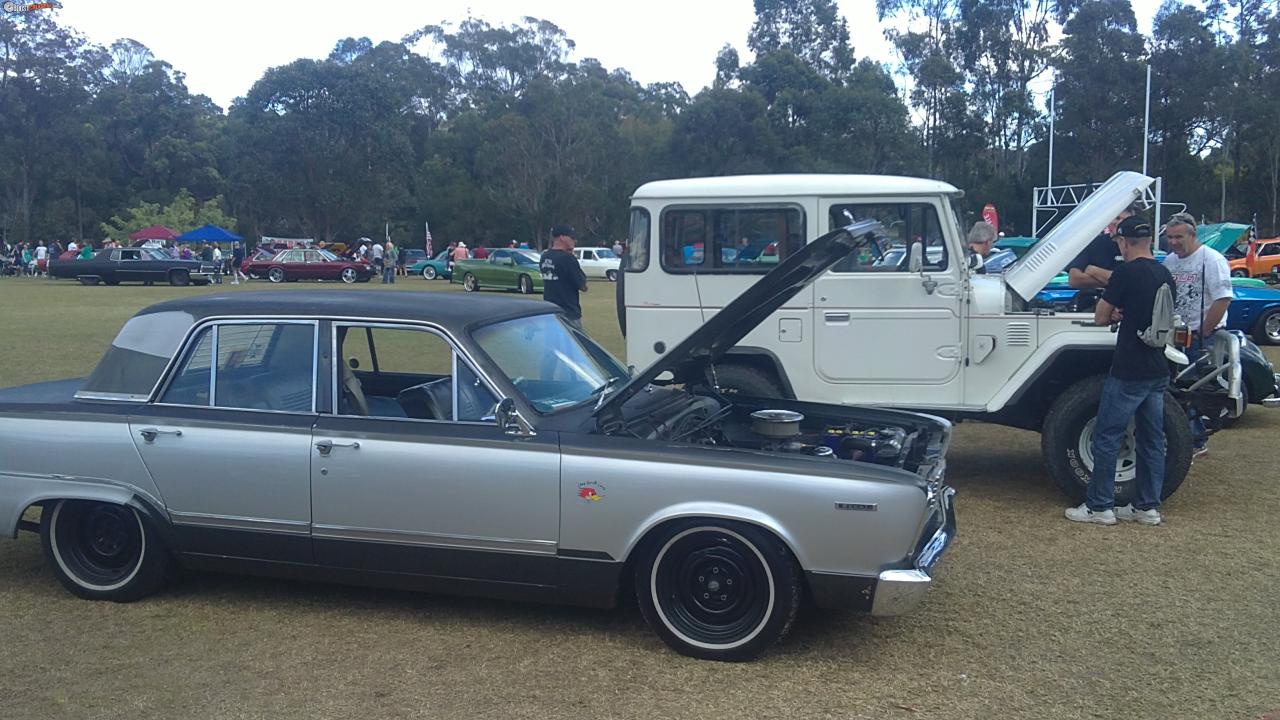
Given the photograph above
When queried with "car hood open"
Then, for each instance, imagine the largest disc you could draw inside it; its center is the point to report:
(1068, 238)
(727, 327)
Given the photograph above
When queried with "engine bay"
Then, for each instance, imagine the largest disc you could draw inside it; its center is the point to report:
(873, 436)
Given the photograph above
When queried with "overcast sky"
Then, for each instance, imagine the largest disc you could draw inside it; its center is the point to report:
(224, 47)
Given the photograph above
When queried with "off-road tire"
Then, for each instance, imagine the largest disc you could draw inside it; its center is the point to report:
(755, 580)
(1066, 420)
(102, 551)
(734, 379)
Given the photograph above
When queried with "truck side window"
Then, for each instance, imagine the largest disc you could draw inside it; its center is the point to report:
(636, 257)
(729, 239)
(905, 224)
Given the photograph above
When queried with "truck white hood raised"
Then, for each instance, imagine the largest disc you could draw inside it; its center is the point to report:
(1069, 237)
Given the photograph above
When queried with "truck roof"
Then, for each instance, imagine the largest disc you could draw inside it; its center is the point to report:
(795, 184)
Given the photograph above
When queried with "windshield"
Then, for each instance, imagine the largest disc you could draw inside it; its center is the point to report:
(328, 255)
(550, 364)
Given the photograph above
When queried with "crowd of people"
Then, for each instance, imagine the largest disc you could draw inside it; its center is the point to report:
(31, 259)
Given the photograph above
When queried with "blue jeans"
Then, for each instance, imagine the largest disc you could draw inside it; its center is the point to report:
(389, 274)
(1143, 401)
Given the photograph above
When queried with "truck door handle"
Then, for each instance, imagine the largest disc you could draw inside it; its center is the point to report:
(150, 434)
(836, 316)
(327, 446)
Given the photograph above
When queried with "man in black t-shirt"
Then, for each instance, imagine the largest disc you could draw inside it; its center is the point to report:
(1091, 269)
(562, 276)
(1134, 389)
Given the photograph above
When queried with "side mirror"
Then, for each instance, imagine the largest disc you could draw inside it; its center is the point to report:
(976, 262)
(510, 421)
(915, 258)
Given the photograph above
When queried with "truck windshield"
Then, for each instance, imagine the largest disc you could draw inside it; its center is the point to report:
(551, 364)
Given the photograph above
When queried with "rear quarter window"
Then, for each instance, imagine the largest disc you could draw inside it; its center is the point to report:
(729, 239)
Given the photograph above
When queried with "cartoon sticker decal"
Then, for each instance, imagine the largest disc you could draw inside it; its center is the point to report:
(590, 491)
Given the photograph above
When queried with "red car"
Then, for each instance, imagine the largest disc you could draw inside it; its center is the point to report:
(307, 264)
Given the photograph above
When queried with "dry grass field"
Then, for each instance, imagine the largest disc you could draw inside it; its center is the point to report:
(1031, 617)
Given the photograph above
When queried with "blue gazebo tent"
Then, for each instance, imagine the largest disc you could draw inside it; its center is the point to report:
(208, 233)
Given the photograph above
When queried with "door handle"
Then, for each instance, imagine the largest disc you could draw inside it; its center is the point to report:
(836, 317)
(326, 446)
(150, 434)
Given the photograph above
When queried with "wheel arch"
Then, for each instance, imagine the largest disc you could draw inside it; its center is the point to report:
(655, 524)
(151, 510)
(761, 359)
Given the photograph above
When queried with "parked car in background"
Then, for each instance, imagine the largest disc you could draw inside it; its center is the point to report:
(1261, 260)
(477, 446)
(504, 269)
(412, 256)
(431, 268)
(145, 265)
(598, 262)
(308, 264)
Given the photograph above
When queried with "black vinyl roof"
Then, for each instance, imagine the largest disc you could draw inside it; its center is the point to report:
(452, 311)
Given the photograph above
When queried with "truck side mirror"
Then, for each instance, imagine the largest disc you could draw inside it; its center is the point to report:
(915, 258)
(976, 262)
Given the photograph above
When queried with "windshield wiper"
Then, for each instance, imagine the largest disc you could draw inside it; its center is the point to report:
(604, 389)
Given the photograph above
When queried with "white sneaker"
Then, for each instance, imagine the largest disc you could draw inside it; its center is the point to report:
(1143, 517)
(1085, 515)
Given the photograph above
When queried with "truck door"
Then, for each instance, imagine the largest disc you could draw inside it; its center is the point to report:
(882, 334)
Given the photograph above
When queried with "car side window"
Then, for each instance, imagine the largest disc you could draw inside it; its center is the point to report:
(588, 255)
(636, 254)
(729, 239)
(313, 256)
(1272, 249)
(190, 385)
(905, 224)
(407, 373)
(254, 366)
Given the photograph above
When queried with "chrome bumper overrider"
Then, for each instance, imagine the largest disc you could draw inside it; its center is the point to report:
(899, 591)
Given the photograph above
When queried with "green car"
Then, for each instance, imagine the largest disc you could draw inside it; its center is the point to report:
(502, 270)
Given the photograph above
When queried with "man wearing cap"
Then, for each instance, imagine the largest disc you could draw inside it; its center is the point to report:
(562, 276)
(1204, 294)
(1134, 389)
(1092, 268)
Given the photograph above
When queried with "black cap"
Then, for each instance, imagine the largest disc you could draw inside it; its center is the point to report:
(559, 230)
(1133, 227)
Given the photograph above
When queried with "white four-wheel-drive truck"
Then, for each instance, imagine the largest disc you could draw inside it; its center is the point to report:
(910, 324)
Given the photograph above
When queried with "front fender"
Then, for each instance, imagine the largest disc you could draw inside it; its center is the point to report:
(722, 511)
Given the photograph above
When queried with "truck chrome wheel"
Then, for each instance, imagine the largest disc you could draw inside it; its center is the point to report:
(1126, 460)
(718, 590)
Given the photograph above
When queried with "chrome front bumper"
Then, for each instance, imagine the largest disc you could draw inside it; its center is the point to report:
(1274, 400)
(899, 591)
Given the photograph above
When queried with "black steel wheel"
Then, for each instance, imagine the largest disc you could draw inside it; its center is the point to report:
(102, 551)
(718, 590)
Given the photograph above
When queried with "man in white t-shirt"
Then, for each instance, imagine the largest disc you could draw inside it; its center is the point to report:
(1204, 294)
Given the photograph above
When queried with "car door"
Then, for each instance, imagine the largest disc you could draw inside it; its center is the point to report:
(883, 334)
(129, 265)
(316, 268)
(416, 477)
(492, 272)
(1267, 259)
(228, 440)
